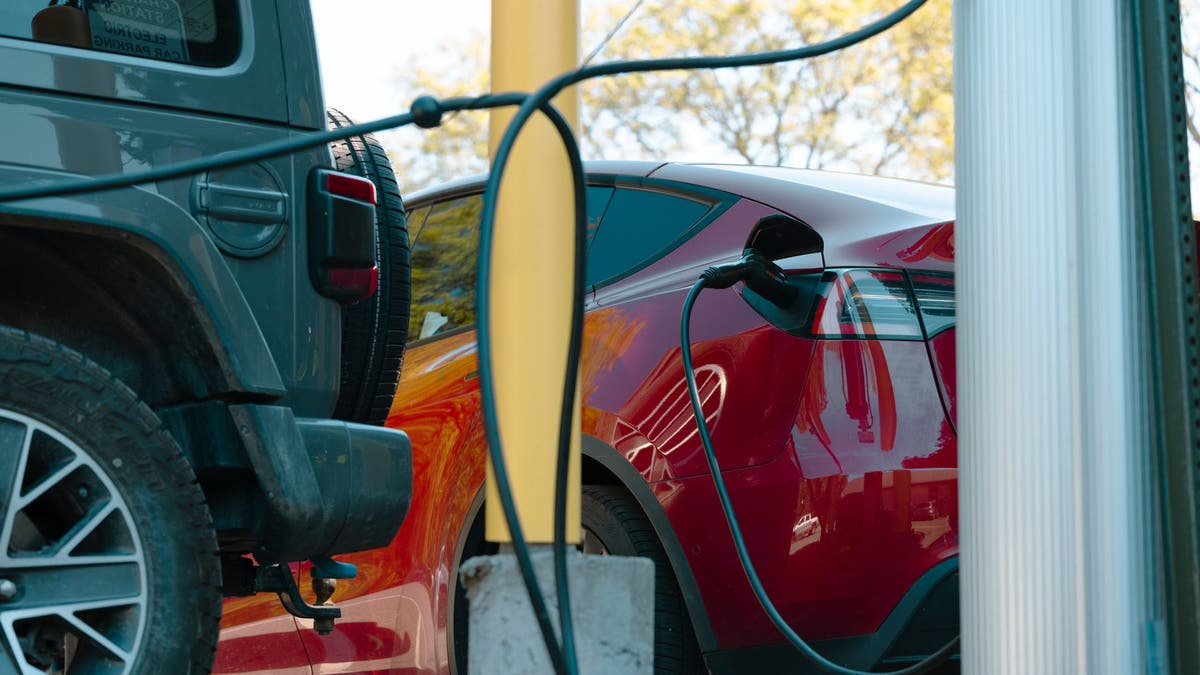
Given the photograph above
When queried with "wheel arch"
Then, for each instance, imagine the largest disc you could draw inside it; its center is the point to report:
(114, 302)
(120, 300)
(114, 240)
(603, 465)
(470, 517)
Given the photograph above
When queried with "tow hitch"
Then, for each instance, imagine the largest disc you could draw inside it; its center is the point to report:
(247, 579)
(278, 579)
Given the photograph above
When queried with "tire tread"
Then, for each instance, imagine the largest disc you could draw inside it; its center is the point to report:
(374, 331)
(40, 375)
(675, 646)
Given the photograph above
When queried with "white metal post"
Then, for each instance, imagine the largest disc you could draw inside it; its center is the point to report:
(1054, 440)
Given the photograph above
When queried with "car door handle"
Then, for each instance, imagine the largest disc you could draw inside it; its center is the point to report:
(243, 204)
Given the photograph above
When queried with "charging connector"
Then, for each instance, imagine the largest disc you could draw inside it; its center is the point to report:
(758, 273)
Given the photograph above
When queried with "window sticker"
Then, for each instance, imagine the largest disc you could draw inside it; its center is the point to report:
(148, 28)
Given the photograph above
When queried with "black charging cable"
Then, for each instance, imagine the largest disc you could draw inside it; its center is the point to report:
(765, 278)
(425, 112)
(566, 660)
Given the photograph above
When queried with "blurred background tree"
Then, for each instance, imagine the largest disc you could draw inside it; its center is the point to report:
(881, 107)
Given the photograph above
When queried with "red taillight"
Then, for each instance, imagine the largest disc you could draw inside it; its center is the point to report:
(341, 235)
(866, 304)
(353, 187)
(354, 283)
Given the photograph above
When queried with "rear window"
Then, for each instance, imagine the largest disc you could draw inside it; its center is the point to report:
(637, 226)
(195, 32)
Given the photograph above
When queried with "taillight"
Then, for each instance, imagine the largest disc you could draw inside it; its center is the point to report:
(341, 235)
(934, 294)
(356, 282)
(881, 304)
(863, 303)
(354, 187)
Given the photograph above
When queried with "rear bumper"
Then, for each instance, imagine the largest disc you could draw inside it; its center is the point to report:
(326, 486)
(925, 620)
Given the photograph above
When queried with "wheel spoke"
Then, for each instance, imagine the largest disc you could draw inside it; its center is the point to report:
(67, 561)
(96, 637)
(11, 660)
(60, 589)
(85, 528)
(74, 588)
(14, 450)
(50, 481)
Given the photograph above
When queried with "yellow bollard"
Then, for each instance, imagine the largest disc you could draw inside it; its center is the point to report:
(532, 267)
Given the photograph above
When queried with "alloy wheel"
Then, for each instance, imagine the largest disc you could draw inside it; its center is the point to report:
(73, 587)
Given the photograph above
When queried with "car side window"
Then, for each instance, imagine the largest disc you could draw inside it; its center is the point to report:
(196, 32)
(444, 255)
(637, 226)
(415, 220)
(445, 251)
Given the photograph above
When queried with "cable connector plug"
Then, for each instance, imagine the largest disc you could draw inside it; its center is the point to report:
(426, 112)
(759, 274)
(724, 276)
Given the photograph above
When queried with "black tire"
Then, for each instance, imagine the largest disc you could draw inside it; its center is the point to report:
(375, 330)
(159, 549)
(613, 517)
(472, 545)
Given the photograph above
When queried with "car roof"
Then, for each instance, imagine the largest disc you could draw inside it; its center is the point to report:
(859, 218)
(779, 183)
(785, 188)
(475, 183)
(862, 220)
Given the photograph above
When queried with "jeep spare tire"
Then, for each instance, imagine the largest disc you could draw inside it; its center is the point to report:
(375, 330)
(108, 558)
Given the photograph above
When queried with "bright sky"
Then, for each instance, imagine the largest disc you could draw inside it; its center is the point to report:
(362, 43)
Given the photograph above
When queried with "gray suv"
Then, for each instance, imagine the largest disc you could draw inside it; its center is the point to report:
(193, 372)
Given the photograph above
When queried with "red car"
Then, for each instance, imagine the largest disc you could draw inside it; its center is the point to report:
(833, 422)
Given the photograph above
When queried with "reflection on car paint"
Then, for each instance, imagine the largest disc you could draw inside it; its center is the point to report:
(851, 410)
(937, 243)
(392, 631)
(265, 646)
